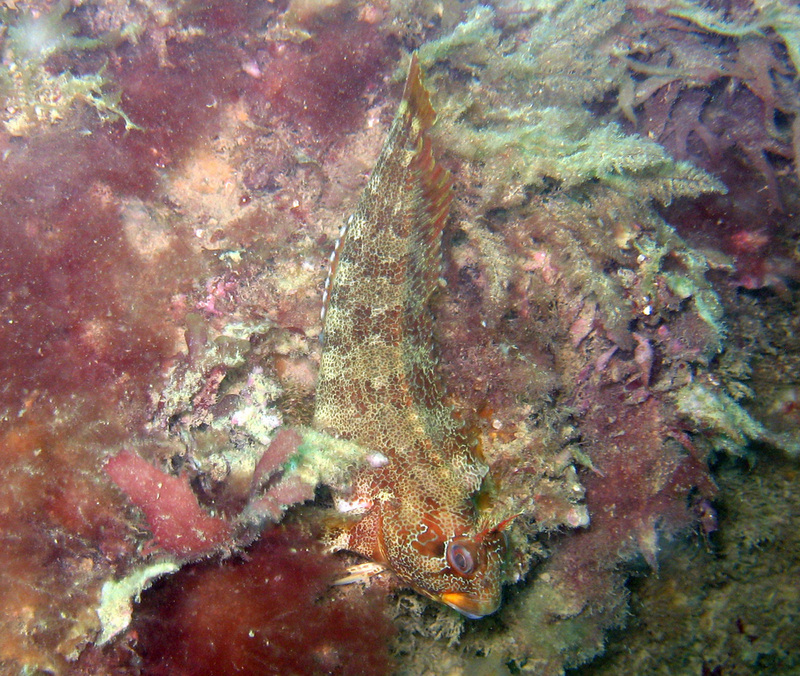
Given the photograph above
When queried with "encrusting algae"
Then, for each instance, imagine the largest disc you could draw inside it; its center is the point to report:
(378, 384)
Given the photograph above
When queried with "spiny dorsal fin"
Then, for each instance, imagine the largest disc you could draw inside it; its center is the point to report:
(429, 177)
(417, 97)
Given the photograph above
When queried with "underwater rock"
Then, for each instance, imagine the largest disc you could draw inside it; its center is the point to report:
(607, 331)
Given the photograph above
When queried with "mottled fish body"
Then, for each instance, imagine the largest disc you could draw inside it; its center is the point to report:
(378, 382)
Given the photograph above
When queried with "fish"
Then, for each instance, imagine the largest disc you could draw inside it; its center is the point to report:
(413, 508)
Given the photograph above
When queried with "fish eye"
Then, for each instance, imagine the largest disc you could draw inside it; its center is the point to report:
(460, 558)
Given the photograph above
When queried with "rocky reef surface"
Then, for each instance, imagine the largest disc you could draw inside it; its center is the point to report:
(619, 325)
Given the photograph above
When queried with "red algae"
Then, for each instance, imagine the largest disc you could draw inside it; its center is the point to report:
(319, 85)
(178, 523)
(74, 329)
(761, 248)
(640, 482)
(101, 264)
(175, 103)
(726, 104)
(65, 193)
(91, 264)
(61, 534)
(266, 612)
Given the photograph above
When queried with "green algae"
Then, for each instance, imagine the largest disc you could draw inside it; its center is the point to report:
(730, 426)
(31, 95)
(324, 459)
(118, 596)
(687, 282)
(296, 463)
(712, 409)
(524, 115)
(523, 119)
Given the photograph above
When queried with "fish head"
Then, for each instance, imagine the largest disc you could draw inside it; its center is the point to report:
(462, 570)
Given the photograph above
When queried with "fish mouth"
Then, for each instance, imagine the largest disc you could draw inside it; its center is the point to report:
(471, 606)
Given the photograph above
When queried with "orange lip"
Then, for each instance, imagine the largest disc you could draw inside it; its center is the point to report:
(470, 606)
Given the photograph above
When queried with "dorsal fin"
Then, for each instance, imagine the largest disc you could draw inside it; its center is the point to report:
(417, 97)
(434, 181)
(434, 186)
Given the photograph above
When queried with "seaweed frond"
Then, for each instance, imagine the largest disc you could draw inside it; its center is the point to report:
(781, 17)
(31, 94)
(524, 113)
